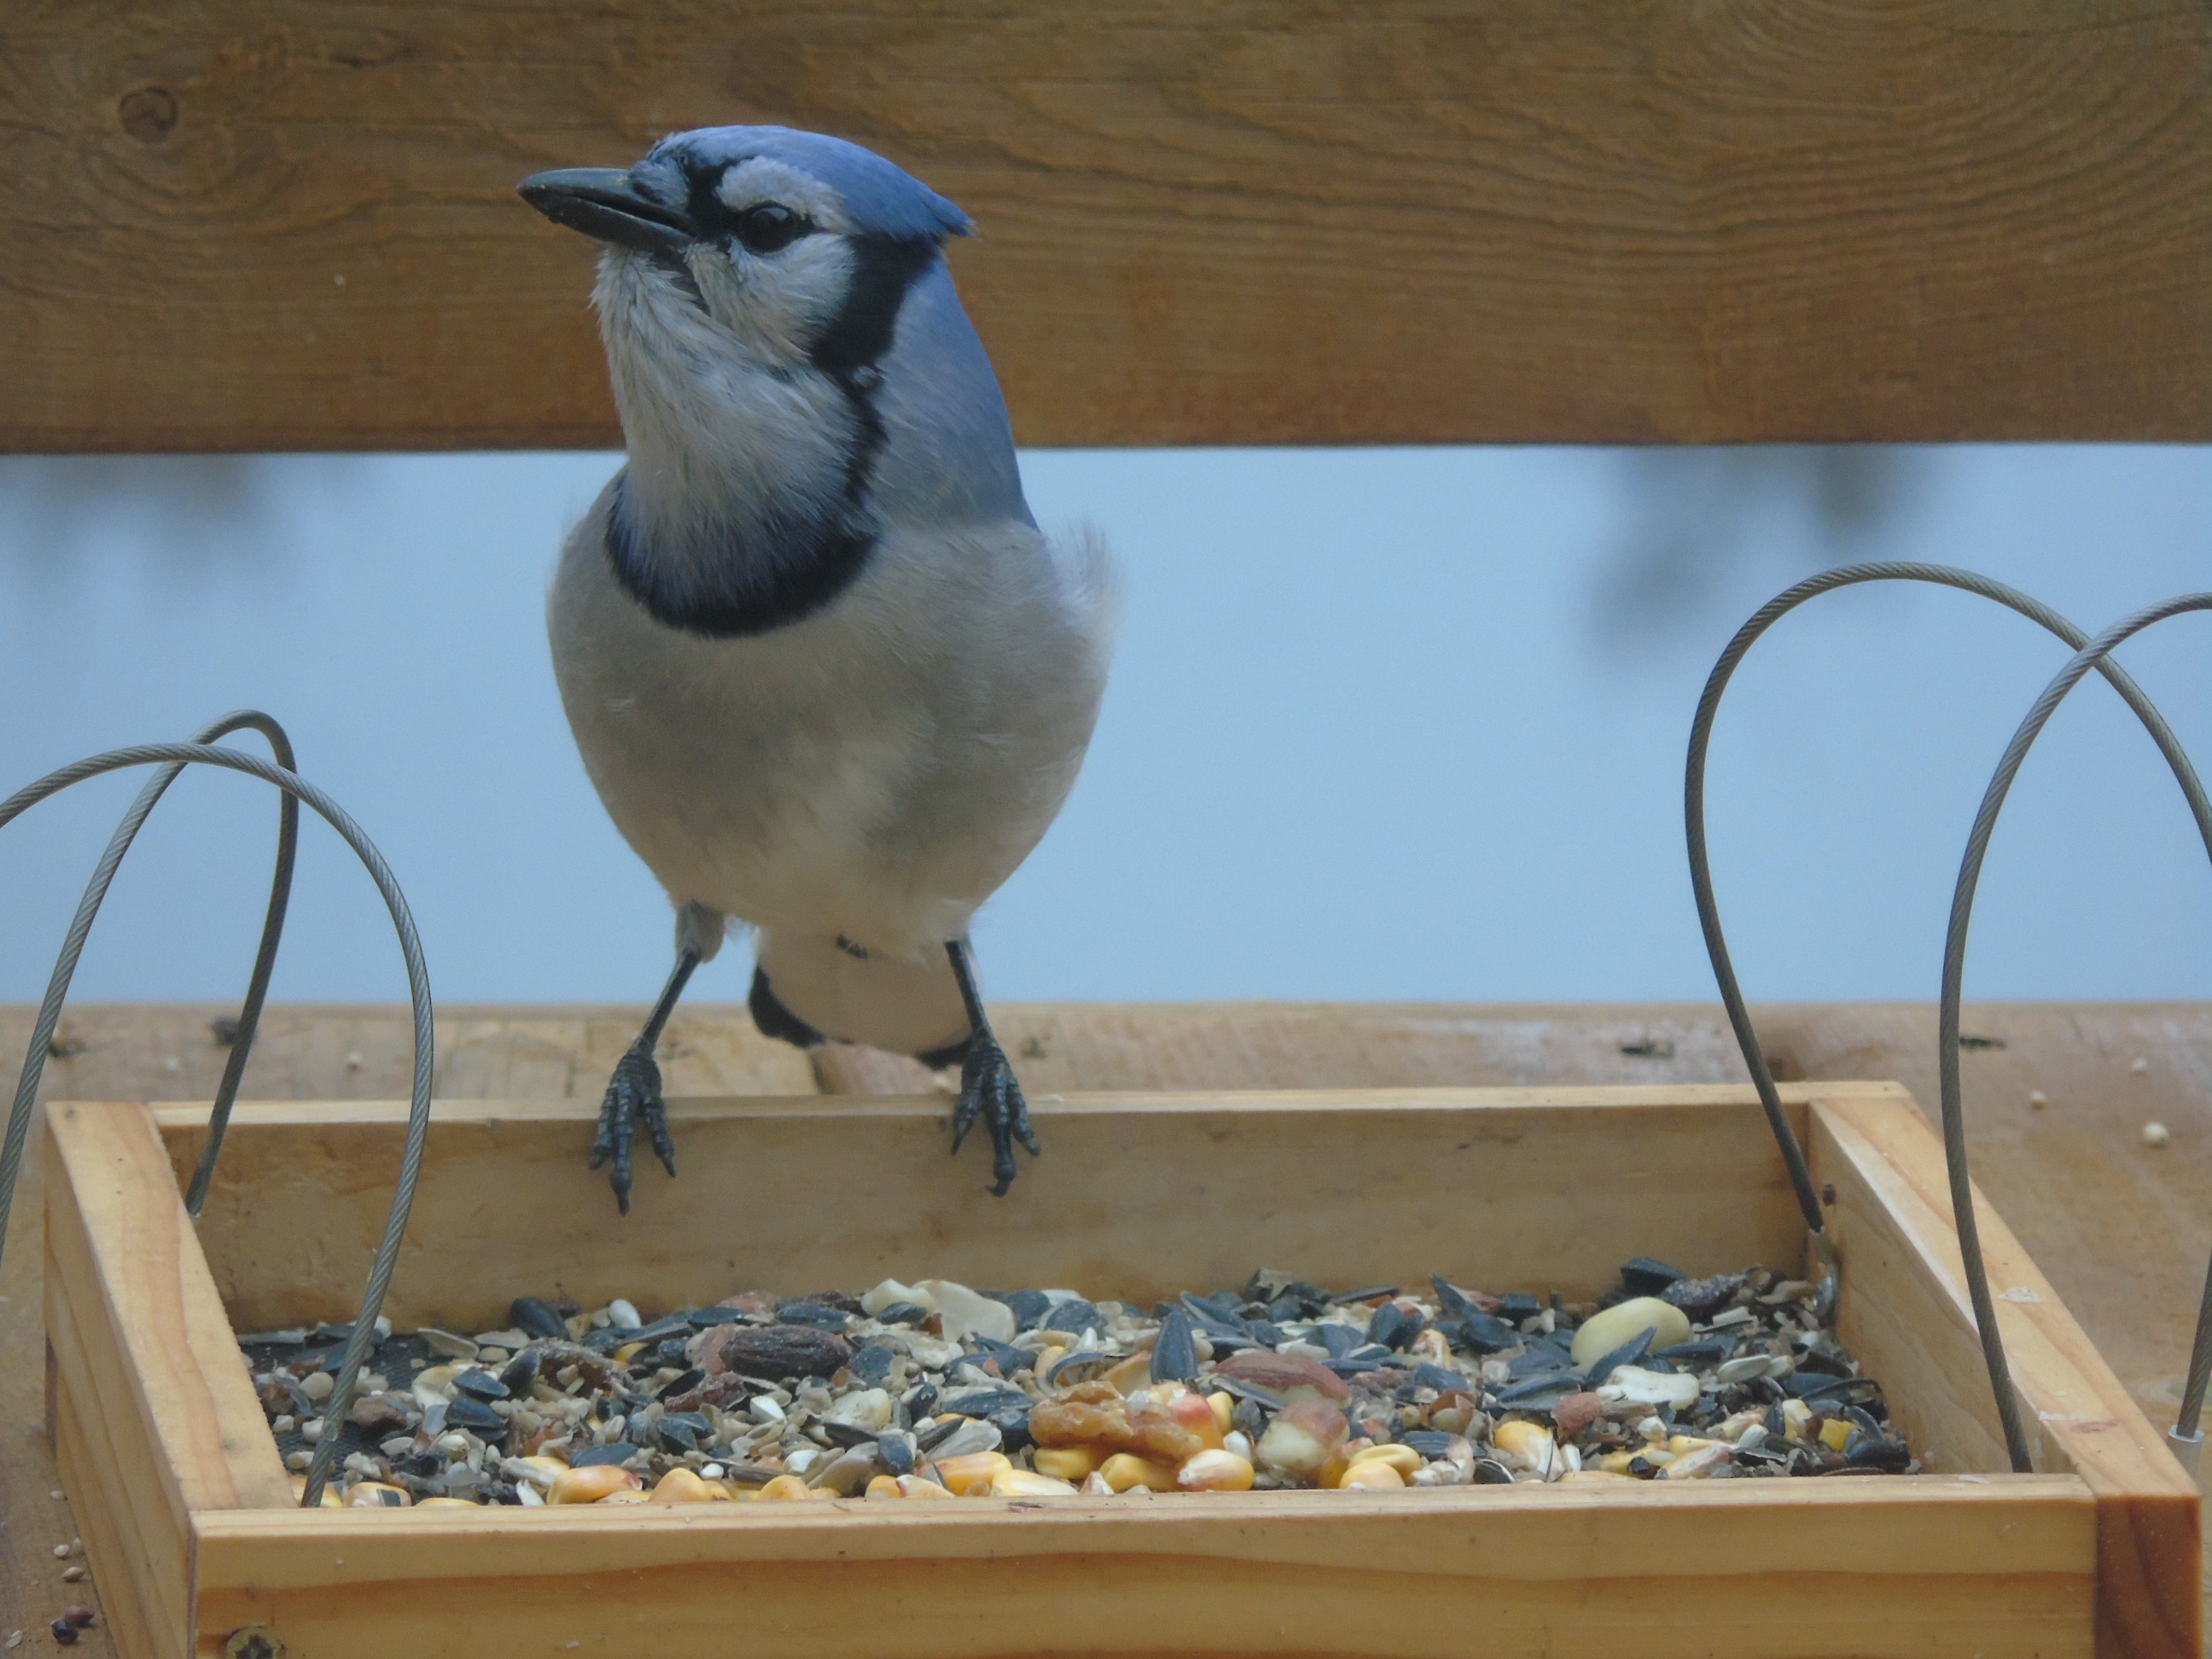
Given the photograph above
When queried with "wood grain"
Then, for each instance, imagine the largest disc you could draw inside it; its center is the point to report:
(161, 1417)
(1912, 1566)
(1907, 1318)
(32, 1589)
(2119, 1228)
(239, 225)
(134, 1617)
(1134, 1199)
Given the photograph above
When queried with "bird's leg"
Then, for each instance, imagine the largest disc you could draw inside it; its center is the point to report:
(988, 1087)
(634, 1093)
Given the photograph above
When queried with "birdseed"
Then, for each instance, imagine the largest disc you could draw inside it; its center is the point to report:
(934, 1389)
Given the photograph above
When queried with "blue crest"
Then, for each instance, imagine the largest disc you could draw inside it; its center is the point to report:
(881, 196)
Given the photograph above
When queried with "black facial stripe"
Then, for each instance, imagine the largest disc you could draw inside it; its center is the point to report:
(883, 268)
(784, 566)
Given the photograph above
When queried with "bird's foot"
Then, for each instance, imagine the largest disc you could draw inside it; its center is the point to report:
(633, 1097)
(988, 1091)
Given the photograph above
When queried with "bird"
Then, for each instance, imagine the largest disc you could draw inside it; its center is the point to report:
(830, 681)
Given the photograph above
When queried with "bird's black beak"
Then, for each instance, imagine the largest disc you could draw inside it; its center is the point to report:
(602, 202)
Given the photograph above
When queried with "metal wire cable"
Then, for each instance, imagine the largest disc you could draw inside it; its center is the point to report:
(2094, 654)
(1954, 1142)
(418, 988)
(264, 963)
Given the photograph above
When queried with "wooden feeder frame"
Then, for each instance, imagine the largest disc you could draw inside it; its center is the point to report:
(192, 1527)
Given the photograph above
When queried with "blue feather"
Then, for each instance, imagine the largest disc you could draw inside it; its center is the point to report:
(880, 196)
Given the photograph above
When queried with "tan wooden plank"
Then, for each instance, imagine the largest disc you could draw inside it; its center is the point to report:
(169, 1051)
(2121, 1228)
(237, 225)
(1905, 1315)
(135, 1621)
(2118, 1227)
(135, 1517)
(1920, 1567)
(122, 1257)
(32, 1589)
(1127, 1199)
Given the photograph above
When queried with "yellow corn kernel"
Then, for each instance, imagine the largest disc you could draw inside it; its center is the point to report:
(1404, 1459)
(921, 1486)
(973, 1472)
(1614, 1462)
(627, 1495)
(1067, 1462)
(1586, 1473)
(627, 1351)
(1834, 1432)
(1372, 1474)
(681, 1486)
(591, 1484)
(331, 1499)
(1125, 1469)
(1332, 1472)
(884, 1485)
(785, 1488)
(1688, 1443)
(1214, 1471)
(376, 1495)
(1224, 1410)
(445, 1504)
(552, 1467)
(1028, 1483)
(725, 1491)
(1522, 1439)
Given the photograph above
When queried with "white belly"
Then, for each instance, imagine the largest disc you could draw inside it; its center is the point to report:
(875, 771)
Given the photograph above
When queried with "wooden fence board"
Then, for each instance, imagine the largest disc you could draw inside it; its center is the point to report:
(235, 224)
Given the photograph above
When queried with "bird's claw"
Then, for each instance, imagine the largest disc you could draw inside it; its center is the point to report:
(988, 1091)
(633, 1097)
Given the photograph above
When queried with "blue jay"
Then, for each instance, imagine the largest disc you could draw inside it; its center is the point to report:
(829, 678)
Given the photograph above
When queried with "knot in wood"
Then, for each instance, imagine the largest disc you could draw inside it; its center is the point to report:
(149, 114)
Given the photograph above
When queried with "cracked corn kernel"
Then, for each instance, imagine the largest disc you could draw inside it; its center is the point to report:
(1372, 1474)
(973, 1472)
(1066, 1462)
(1215, 1471)
(681, 1486)
(591, 1484)
(1124, 1470)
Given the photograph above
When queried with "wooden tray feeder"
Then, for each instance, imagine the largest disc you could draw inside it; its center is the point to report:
(199, 1547)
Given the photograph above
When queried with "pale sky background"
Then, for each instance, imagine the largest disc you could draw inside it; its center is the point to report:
(1384, 724)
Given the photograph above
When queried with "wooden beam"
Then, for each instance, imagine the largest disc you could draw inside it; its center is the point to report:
(1136, 1188)
(154, 1413)
(1907, 1317)
(1911, 1566)
(235, 224)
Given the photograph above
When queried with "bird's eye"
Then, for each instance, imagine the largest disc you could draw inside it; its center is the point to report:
(770, 226)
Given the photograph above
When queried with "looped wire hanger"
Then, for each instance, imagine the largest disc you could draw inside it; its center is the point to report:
(2089, 655)
(172, 757)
